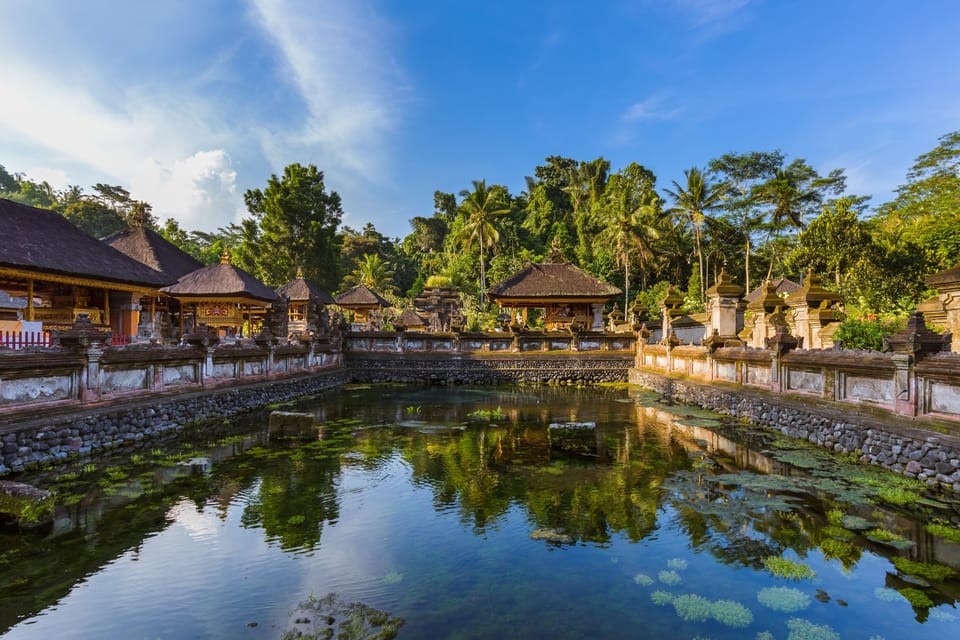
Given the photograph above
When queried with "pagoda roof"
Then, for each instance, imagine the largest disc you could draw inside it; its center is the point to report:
(552, 280)
(302, 289)
(222, 281)
(361, 296)
(946, 280)
(40, 242)
(150, 248)
(812, 293)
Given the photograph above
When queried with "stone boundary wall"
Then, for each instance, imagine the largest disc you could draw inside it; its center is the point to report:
(911, 451)
(86, 432)
(490, 369)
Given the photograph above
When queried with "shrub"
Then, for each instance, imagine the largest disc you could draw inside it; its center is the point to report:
(867, 333)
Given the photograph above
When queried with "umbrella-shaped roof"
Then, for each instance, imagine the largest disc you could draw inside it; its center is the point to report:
(223, 281)
(150, 248)
(410, 318)
(302, 289)
(552, 280)
(42, 243)
(361, 296)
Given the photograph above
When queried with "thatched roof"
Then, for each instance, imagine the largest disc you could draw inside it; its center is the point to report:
(302, 289)
(361, 296)
(552, 280)
(410, 318)
(150, 248)
(222, 281)
(45, 243)
(780, 286)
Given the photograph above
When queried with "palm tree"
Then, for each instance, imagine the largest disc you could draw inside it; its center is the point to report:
(629, 216)
(481, 207)
(373, 272)
(694, 200)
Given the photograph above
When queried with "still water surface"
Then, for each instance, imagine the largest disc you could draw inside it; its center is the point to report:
(551, 513)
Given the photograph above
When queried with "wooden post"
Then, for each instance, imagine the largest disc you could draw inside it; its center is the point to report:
(30, 300)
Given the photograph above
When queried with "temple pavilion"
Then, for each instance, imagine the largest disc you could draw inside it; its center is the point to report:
(58, 272)
(223, 297)
(306, 303)
(159, 314)
(366, 305)
(569, 297)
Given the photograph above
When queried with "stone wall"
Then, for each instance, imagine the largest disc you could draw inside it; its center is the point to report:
(490, 368)
(57, 438)
(912, 451)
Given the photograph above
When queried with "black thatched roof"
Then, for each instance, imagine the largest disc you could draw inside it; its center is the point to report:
(361, 295)
(149, 247)
(410, 318)
(552, 280)
(302, 289)
(222, 280)
(44, 242)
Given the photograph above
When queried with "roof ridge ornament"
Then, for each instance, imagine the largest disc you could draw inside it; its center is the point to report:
(225, 256)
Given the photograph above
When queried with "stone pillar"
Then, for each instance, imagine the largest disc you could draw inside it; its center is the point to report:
(813, 308)
(84, 339)
(947, 284)
(764, 312)
(913, 343)
(723, 303)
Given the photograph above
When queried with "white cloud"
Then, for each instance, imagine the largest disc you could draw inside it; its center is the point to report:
(191, 189)
(650, 109)
(336, 54)
(56, 178)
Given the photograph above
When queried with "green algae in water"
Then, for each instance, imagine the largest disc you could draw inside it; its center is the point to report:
(945, 531)
(916, 597)
(661, 598)
(670, 578)
(731, 614)
(693, 608)
(643, 580)
(786, 568)
(937, 572)
(677, 564)
(801, 629)
(783, 599)
(393, 577)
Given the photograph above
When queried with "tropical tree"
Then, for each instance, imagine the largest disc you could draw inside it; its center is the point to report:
(373, 272)
(695, 200)
(480, 209)
(293, 224)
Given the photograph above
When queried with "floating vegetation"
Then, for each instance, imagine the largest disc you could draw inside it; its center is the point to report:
(786, 568)
(732, 614)
(643, 580)
(945, 531)
(671, 578)
(297, 519)
(856, 523)
(393, 577)
(846, 552)
(551, 535)
(897, 495)
(678, 564)
(885, 536)
(924, 570)
(487, 414)
(916, 597)
(764, 635)
(784, 599)
(835, 516)
(331, 617)
(693, 608)
(89, 467)
(661, 598)
(801, 629)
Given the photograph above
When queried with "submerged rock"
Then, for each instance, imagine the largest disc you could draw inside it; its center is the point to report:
(573, 425)
(331, 617)
(551, 535)
(25, 504)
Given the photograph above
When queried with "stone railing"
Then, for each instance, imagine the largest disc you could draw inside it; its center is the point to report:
(418, 342)
(84, 371)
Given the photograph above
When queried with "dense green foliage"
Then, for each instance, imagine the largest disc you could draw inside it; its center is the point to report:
(755, 214)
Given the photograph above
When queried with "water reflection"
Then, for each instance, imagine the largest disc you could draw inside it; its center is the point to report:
(604, 469)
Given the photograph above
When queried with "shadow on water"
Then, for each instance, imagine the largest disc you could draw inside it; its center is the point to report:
(586, 467)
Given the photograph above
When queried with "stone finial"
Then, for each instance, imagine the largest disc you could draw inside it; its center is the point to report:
(916, 339)
(768, 300)
(782, 341)
(812, 294)
(725, 287)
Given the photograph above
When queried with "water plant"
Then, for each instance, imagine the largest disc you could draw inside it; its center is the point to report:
(916, 597)
(671, 578)
(732, 614)
(331, 617)
(678, 564)
(881, 534)
(924, 570)
(801, 629)
(661, 598)
(944, 530)
(393, 577)
(487, 414)
(784, 599)
(297, 519)
(764, 635)
(693, 608)
(643, 580)
(89, 467)
(786, 568)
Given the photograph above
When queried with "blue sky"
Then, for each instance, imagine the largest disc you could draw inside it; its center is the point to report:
(188, 103)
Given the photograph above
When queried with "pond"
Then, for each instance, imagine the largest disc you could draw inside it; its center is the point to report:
(453, 512)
